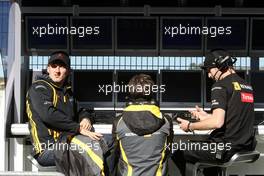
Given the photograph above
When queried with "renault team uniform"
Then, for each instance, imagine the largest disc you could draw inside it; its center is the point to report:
(142, 135)
(50, 110)
(235, 96)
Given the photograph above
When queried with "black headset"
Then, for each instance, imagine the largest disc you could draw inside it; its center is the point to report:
(222, 60)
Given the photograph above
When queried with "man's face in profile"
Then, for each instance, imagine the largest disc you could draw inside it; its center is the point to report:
(57, 72)
(214, 73)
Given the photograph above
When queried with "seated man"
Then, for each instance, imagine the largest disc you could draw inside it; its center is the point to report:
(53, 117)
(142, 132)
(231, 117)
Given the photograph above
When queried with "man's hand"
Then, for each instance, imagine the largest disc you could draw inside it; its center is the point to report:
(85, 124)
(183, 124)
(199, 114)
(92, 135)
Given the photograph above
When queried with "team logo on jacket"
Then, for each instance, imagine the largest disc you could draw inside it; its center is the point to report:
(236, 85)
(247, 97)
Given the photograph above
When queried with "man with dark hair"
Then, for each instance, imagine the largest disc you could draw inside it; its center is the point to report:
(142, 133)
(52, 112)
(140, 87)
(231, 117)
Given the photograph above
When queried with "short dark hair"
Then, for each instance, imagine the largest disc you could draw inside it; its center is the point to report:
(140, 86)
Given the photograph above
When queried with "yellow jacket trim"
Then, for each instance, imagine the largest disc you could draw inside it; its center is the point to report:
(90, 153)
(159, 171)
(155, 110)
(129, 167)
(55, 98)
(34, 131)
(56, 134)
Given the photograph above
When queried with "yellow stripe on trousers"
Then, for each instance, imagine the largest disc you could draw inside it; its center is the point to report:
(159, 171)
(92, 155)
(129, 167)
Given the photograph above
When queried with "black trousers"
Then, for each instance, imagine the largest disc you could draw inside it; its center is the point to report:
(46, 158)
(185, 160)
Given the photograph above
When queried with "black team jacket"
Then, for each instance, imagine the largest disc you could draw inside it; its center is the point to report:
(51, 112)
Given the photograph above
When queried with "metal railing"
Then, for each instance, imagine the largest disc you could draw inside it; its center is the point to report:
(133, 63)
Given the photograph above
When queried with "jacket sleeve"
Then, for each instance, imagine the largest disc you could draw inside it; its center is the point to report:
(113, 154)
(170, 136)
(41, 101)
(86, 113)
